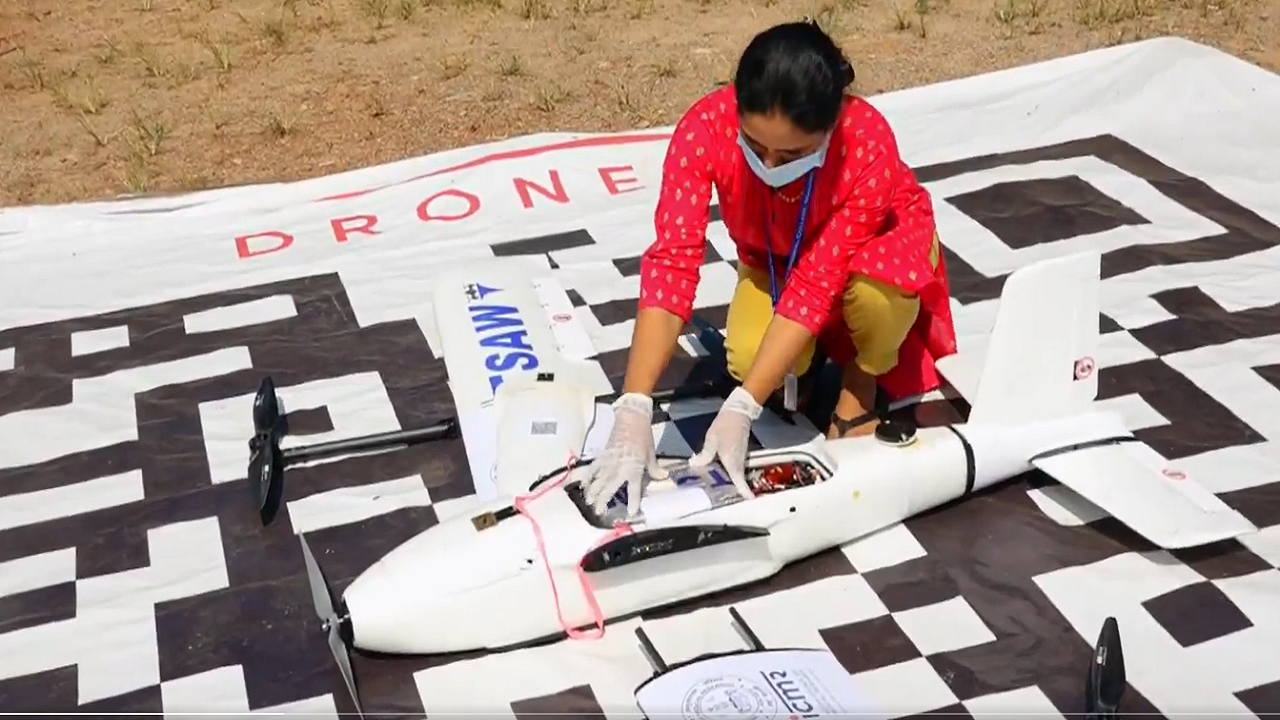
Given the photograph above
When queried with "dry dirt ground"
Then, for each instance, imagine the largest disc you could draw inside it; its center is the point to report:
(104, 97)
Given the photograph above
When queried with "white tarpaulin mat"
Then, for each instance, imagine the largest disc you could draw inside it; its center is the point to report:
(136, 577)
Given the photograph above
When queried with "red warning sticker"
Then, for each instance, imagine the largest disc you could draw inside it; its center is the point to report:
(1084, 368)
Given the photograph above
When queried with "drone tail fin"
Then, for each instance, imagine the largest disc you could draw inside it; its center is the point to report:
(1041, 365)
(1041, 362)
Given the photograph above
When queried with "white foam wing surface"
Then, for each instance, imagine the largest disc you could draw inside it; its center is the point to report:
(1140, 489)
(498, 321)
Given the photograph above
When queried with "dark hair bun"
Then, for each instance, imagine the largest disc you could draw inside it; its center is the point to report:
(795, 68)
(845, 76)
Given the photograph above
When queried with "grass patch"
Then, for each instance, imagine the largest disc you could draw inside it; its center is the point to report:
(136, 176)
(282, 124)
(31, 70)
(1093, 14)
(511, 66)
(452, 66)
(376, 11)
(587, 7)
(99, 139)
(84, 97)
(148, 134)
(547, 97)
(666, 68)
(1015, 15)
(219, 50)
(534, 10)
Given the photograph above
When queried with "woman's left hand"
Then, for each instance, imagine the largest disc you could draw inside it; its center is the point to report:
(728, 438)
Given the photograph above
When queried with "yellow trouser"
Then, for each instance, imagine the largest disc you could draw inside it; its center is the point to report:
(878, 317)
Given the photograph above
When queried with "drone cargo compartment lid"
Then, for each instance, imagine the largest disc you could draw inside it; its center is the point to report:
(539, 423)
(756, 684)
(480, 432)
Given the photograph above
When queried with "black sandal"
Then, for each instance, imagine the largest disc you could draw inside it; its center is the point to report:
(843, 426)
(887, 430)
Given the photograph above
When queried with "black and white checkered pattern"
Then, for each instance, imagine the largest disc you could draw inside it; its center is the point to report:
(134, 576)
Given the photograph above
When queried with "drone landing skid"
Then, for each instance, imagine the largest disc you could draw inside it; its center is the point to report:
(798, 682)
(1105, 682)
(660, 666)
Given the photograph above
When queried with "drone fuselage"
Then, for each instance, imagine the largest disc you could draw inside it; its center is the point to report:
(520, 569)
(456, 588)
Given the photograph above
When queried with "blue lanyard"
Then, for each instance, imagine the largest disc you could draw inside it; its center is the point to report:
(795, 244)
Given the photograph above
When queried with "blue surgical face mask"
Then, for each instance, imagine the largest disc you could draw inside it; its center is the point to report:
(787, 173)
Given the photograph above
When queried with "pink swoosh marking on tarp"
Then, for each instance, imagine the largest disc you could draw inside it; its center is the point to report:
(609, 141)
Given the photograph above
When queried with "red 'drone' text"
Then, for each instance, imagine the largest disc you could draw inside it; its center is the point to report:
(451, 205)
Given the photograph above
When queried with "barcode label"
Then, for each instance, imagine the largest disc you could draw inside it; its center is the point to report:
(543, 427)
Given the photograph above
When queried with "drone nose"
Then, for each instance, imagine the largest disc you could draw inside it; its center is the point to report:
(369, 607)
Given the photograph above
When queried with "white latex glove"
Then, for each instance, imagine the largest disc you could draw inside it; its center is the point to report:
(728, 436)
(628, 454)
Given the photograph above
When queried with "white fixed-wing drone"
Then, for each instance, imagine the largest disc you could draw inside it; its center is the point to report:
(535, 562)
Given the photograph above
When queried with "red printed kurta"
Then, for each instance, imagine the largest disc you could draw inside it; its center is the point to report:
(867, 215)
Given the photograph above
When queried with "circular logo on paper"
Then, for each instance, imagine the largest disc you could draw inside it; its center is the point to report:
(729, 696)
(1174, 475)
(1084, 368)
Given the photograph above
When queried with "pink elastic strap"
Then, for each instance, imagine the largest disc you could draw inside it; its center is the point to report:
(521, 503)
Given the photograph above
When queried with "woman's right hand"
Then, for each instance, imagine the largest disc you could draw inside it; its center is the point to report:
(627, 456)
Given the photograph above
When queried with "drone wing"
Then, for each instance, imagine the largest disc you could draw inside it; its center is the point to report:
(1134, 484)
(496, 321)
